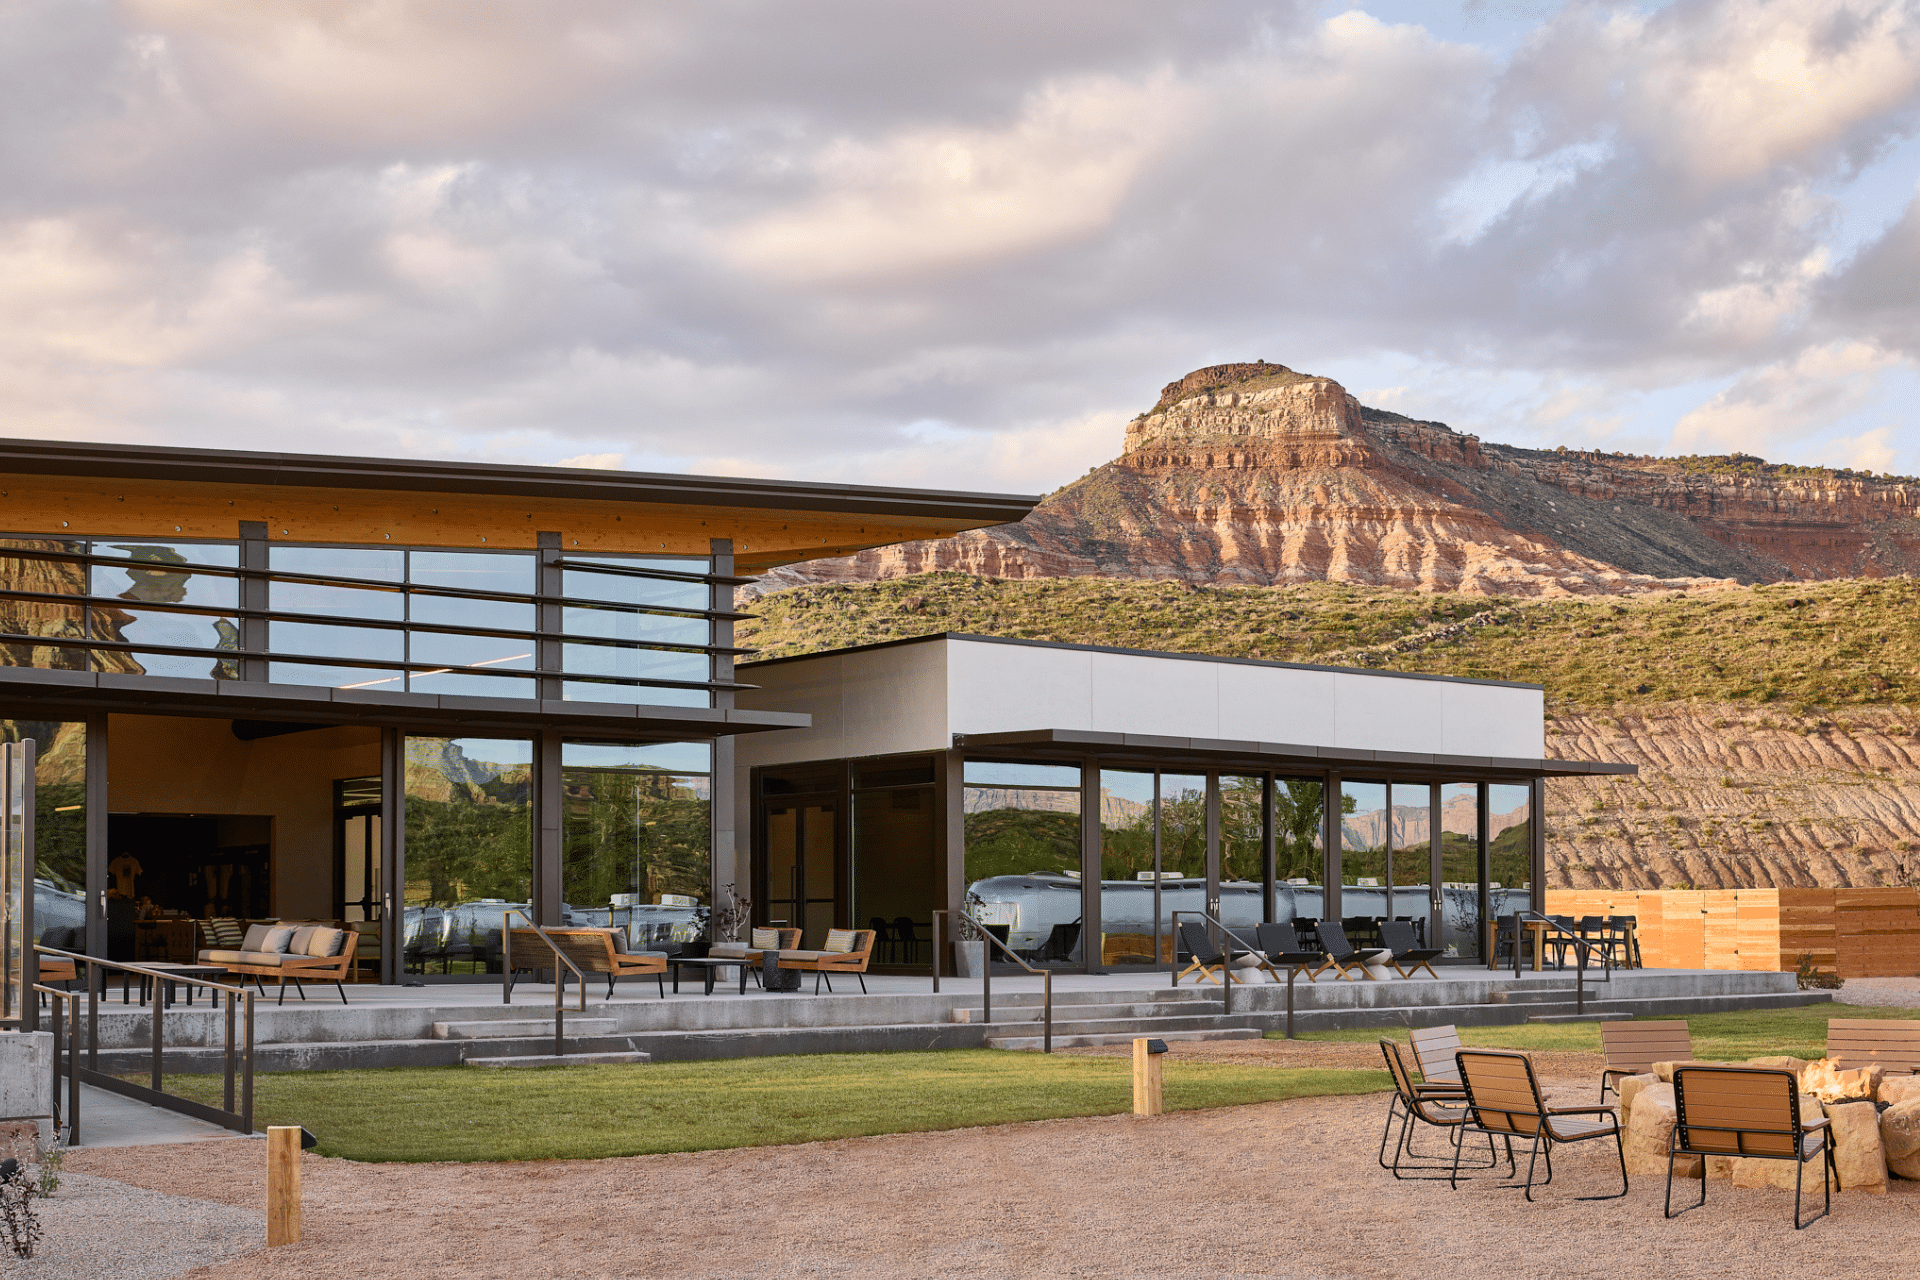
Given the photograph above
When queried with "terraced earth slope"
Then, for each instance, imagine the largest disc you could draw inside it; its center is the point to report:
(1777, 727)
(1257, 474)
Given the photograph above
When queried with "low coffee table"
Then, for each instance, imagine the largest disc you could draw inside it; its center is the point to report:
(712, 966)
(169, 971)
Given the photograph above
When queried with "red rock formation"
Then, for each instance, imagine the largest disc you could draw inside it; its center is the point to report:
(1255, 474)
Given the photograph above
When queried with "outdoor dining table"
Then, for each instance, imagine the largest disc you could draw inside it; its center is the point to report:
(1538, 928)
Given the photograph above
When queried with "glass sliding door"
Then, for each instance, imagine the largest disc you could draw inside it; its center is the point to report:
(1510, 847)
(1243, 851)
(894, 825)
(469, 843)
(637, 838)
(1133, 910)
(1299, 848)
(1023, 857)
(1460, 930)
(59, 819)
(1363, 858)
(1410, 855)
(356, 842)
(801, 870)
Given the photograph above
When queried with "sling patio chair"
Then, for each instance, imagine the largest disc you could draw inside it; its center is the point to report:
(1408, 957)
(1204, 955)
(1504, 1100)
(1433, 1049)
(1753, 1112)
(1281, 946)
(1633, 1047)
(1443, 1108)
(1342, 956)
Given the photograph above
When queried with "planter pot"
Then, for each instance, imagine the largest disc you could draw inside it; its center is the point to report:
(970, 959)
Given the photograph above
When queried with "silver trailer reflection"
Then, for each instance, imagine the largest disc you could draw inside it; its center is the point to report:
(1039, 912)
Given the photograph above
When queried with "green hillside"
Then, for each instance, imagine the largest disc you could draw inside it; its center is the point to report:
(1807, 649)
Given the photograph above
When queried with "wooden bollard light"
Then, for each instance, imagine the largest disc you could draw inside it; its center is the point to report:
(284, 1145)
(1146, 1076)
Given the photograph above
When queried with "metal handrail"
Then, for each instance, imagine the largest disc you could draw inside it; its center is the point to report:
(986, 974)
(94, 973)
(1580, 971)
(559, 984)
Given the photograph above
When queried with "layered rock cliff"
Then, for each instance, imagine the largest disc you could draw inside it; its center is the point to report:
(1256, 474)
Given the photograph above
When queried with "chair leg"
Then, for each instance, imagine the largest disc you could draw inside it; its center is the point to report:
(342, 990)
(660, 980)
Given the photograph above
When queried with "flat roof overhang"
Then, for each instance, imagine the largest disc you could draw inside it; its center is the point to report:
(58, 695)
(315, 471)
(1278, 755)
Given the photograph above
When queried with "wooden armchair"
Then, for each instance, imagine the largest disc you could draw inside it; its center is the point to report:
(1748, 1112)
(846, 951)
(1893, 1043)
(591, 950)
(1633, 1047)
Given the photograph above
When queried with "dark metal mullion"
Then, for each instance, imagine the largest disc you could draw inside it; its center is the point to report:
(154, 646)
(549, 652)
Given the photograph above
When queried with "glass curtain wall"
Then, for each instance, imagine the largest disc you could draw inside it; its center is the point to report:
(59, 819)
(1363, 859)
(637, 839)
(1460, 932)
(1299, 848)
(1022, 856)
(1133, 907)
(1510, 847)
(469, 847)
(1410, 855)
(673, 616)
(1243, 850)
(893, 858)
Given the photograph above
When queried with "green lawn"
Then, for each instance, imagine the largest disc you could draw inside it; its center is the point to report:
(540, 1113)
(1718, 1037)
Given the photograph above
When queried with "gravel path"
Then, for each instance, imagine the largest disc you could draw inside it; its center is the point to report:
(1896, 993)
(1285, 1189)
(98, 1229)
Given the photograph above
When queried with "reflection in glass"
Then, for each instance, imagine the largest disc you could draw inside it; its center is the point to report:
(658, 593)
(1128, 854)
(1510, 846)
(59, 819)
(801, 877)
(488, 652)
(1411, 864)
(1243, 828)
(322, 641)
(1363, 834)
(346, 562)
(637, 843)
(1460, 869)
(1183, 825)
(1023, 820)
(469, 841)
(1299, 810)
(472, 571)
(158, 580)
(616, 624)
(45, 618)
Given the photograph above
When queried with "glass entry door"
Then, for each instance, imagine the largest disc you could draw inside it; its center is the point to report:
(356, 839)
(801, 880)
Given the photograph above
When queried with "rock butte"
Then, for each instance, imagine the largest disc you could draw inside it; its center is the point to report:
(1253, 474)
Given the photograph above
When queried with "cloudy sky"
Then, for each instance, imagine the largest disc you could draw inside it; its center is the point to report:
(953, 244)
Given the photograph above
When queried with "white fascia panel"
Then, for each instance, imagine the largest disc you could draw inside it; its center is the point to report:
(1379, 713)
(1485, 720)
(1008, 688)
(1164, 696)
(1276, 704)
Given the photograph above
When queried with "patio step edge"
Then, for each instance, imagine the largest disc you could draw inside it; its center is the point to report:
(1071, 1041)
(564, 1060)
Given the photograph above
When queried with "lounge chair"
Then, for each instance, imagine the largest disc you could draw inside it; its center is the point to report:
(1504, 1101)
(591, 950)
(1633, 1047)
(844, 951)
(1442, 1108)
(1343, 956)
(1891, 1042)
(1408, 956)
(1751, 1112)
(1433, 1049)
(1281, 947)
(1202, 954)
(751, 952)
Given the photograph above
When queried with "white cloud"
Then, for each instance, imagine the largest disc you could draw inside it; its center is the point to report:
(1786, 400)
(1869, 451)
(597, 461)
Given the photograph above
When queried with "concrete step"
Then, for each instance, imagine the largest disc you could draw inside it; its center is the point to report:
(1073, 1041)
(1579, 1017)
(505, 1028)
(1092, 1012)
(1131, 1027)
(522, 1046)
(564, 1060)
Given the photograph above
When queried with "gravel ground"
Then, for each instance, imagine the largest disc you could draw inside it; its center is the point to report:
(1897, 993)
(1285, 1189)
(98, 1229)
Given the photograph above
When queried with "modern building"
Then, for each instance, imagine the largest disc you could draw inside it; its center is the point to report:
(407, 695)
(1075, 797)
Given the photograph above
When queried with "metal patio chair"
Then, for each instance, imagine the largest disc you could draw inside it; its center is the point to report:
(1750, 1112)
(1438, 1106)
(1504, 1100)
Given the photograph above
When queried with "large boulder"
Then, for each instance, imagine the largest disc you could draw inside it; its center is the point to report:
(1827, 1081)
(1648, 1132)
(1780, 1062)
(1898, 1089)
(1900, 1137)
(1858, 1156)
(1630, 1088)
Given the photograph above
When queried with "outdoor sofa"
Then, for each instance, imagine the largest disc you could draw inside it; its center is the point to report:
(591, 950)
(292, 952)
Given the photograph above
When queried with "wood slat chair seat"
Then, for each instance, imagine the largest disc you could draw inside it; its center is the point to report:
(592, 951)
(1504, 1100)
(1633, 1047)
(824, 964)
(1893, 1043)
(1749, 1112)
(1440, 1107)
(1433, 1049)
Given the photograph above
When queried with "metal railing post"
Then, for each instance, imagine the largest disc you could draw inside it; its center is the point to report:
(936, 951)
(986, 982)
(988, 942)
(228, 1055)
(95, 976)
(246, 1068)
(1046, 1011)
(73, 1070)
(159, 1040)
